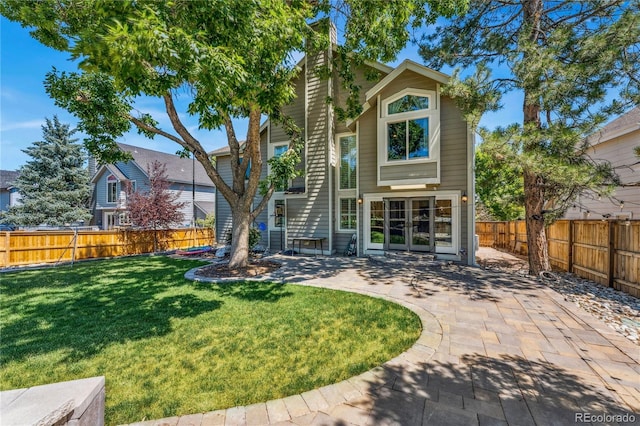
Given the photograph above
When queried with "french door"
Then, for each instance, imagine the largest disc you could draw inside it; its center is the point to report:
(409, 224)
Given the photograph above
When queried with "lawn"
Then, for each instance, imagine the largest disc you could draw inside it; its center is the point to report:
(168, 346)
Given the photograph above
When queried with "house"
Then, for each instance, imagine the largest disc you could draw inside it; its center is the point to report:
(186, 177)
(615, 144)
(399, 176)
(9, 195)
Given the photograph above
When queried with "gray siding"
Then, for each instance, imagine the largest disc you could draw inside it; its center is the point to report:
(453, 148)
(311, 216)
(409, 171)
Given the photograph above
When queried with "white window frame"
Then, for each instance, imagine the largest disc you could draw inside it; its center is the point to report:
(432, 113)
(345, 193)
(116, 193)
(339, 163)
(339, 214)
(272, 149)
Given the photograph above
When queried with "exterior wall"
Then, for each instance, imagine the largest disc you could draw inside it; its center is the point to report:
(453, 156)
(315, 213)
(619, 152)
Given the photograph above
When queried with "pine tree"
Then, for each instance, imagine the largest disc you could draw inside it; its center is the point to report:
(54, 184)
(563, 56)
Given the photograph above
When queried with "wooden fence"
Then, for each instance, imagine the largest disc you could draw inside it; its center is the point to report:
(20, 248)
(607, 252)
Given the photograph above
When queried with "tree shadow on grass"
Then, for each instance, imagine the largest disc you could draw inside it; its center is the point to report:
(247, 290)
(73, 309)
(482, 390)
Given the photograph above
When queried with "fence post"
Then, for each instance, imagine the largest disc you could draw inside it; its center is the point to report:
(611, 253)
(570, 248)
(7, 252)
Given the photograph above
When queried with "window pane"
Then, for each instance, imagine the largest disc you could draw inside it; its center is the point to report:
(279, 213)
(348, 160)
(111, 192)
(419, 138)
(443, 225)
(397, 141)
(377, 222)
(408, 103)
(277, 152)
(348, 213)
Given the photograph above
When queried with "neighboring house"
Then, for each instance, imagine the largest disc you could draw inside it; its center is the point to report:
(9, 195)
(399, 176)
(615, 144)
(111, 180)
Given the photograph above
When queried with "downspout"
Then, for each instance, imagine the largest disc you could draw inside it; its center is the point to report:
(471, 191)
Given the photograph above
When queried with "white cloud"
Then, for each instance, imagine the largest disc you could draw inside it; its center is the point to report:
(18, 125)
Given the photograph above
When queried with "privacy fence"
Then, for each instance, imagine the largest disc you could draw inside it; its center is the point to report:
(20, 248)
(607, 252)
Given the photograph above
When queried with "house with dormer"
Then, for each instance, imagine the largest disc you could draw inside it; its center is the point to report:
(186, 177)
(399, 177)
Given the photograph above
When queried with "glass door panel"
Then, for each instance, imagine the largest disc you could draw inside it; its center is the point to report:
(444, 224)
(397, 224)
(421, 222)
(376, 228)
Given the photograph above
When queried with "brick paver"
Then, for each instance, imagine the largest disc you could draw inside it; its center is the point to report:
(496, 349)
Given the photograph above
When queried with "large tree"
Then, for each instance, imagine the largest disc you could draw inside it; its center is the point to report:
(230, 59)
(564, 56)
(54, 183)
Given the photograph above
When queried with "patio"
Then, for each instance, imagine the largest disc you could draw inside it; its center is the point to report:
(496, 348)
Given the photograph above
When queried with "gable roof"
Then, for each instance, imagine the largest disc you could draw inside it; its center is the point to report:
(7, 177)
(622, 125)
(178, 169)
(409, 65)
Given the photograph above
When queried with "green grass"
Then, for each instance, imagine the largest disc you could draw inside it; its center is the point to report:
(169, 346)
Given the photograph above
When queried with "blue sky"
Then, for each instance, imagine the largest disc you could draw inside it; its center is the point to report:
(24, 104)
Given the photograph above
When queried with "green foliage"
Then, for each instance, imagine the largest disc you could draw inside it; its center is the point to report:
(231, 59)
(499, 185)
(54, 184)
(564, 56)
(254, 237)
(207, 222)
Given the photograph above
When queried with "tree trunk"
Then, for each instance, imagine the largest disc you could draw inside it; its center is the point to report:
(536, 233)
(239, 256)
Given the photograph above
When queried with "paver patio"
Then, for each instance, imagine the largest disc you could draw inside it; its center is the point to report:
(496, 349)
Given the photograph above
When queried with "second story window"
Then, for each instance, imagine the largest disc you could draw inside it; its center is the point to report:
(348, 162)
(112, 189)
(407, 126)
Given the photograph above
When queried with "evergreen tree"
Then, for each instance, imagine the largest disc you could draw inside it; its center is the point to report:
(54, 184)
(563, 56)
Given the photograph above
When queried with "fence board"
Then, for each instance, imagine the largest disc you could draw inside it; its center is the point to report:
(20, 248)
(606, 252)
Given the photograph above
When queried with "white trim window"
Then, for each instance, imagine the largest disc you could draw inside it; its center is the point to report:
(348, 211)
(348, 169)
(112, 189)
(277, 149)
(346, 182)
(409, 127)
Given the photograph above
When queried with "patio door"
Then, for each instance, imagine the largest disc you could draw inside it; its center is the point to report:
(409, 224)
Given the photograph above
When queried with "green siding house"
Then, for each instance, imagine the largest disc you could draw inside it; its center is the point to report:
(399, 177)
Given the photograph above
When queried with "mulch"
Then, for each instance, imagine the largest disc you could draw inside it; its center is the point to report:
(255, 268)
